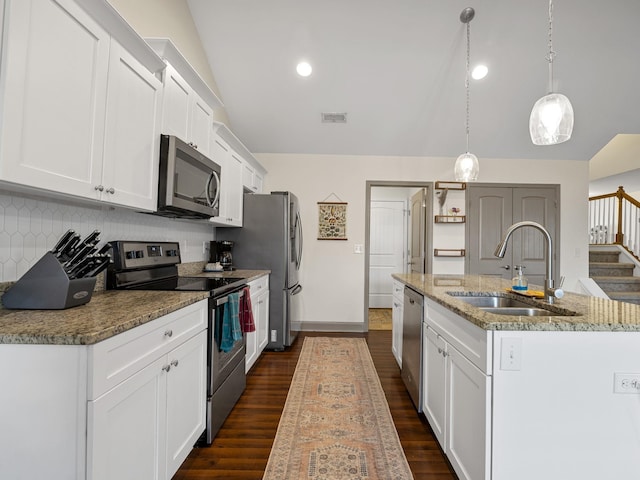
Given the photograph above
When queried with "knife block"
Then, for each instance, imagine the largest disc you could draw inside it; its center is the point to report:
(46, 286)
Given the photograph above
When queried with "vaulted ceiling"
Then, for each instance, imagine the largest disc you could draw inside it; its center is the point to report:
(397, 68)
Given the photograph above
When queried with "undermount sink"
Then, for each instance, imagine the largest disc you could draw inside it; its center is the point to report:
(506, 305)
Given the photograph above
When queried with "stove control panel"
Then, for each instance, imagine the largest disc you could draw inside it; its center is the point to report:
(128, 255)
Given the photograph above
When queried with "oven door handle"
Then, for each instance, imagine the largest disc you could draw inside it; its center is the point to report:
(225, 299)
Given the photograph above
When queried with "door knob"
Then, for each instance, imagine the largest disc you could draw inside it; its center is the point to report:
(506, 267)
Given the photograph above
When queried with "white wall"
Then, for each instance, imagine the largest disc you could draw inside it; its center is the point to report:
(333, 276)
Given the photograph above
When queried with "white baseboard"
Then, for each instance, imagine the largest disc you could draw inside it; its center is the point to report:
(348, 327)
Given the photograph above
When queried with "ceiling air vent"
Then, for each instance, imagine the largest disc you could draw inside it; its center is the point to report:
(334, 117)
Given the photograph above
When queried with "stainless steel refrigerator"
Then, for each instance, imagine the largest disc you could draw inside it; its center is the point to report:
(271, 239)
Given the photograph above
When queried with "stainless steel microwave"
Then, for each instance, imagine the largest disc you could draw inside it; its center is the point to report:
(189, 182)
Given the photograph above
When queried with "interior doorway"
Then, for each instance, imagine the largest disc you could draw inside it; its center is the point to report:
(390, 228)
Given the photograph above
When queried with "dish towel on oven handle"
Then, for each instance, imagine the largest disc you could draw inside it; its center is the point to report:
(246, 312)
(231, 331)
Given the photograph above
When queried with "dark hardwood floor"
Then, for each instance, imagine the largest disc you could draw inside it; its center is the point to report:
(241, 448)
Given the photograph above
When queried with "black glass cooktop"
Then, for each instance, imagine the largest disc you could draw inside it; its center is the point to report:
(191, 284)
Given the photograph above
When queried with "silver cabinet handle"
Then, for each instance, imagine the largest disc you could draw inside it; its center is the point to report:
(99, 188)
(168, 333)
(174, 363)
(111, 190)
(166, 368)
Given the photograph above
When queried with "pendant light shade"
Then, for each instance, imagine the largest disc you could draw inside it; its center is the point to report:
(467, 167)
(551, 120)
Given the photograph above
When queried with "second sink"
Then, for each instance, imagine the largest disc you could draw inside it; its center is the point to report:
(501, 304)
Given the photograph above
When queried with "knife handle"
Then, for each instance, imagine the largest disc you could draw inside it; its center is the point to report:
(63, 240)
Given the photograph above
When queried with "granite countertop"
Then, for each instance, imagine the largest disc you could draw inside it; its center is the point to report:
(590, 313)
(108, 313)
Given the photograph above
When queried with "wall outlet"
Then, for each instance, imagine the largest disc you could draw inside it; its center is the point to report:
(274, 335)
(626, 383)
(511, 354)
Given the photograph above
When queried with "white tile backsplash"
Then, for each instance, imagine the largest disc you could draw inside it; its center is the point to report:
(30, 226)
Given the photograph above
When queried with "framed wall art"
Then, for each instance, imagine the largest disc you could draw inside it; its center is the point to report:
(332, 220)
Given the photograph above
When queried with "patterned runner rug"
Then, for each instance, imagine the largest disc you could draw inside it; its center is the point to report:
(336, 423)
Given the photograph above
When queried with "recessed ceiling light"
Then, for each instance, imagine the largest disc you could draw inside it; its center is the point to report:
(479, 72)
(303, 69)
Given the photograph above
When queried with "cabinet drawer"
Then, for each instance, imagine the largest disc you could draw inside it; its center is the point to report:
(398, 289)
(259, 285)
(119, 357)
(469, 339)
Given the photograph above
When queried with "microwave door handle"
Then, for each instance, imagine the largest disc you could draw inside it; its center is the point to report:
(206, 190)
(217, 197)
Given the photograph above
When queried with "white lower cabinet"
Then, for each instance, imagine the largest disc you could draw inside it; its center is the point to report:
(457, 391)
(129, 407)
(256, 341)
(397, 311)
(145, 426)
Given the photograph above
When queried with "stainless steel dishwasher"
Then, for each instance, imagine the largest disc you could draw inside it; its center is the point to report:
(412, 345)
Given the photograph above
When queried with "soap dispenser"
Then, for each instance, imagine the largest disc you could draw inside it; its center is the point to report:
(519, 282)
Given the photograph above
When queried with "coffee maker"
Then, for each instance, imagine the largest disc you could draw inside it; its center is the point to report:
(221, 252)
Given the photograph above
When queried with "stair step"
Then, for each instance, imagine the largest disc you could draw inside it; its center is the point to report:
(603, 256)
(629, 297)
(607, 269)
(618, 284)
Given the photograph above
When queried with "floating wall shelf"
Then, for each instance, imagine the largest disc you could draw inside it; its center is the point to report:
(451, 185)
(451, 219)
(444, 252)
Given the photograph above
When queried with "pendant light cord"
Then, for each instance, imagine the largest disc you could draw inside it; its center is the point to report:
(551, 56)
(467, 84)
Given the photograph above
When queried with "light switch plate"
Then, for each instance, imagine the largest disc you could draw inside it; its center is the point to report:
(511, 354)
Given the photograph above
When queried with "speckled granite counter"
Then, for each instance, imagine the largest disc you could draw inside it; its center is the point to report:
(593, 314)
(107, 314)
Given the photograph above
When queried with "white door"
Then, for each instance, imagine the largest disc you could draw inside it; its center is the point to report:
(434, 370)
(186, 399)
(387, 248)
(126, 426)
(468, 436)
(54, 77)
(132, 137)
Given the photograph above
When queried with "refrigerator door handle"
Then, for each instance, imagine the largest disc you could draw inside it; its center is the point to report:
(296, 290)
(299, 237)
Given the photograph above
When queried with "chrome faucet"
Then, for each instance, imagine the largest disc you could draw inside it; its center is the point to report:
(550, 292)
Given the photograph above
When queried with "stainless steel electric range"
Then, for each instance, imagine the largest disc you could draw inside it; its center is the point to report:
(154, 266)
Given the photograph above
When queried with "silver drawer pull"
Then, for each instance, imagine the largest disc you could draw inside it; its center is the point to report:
(166, 368)
(168, 333)
(174, 363)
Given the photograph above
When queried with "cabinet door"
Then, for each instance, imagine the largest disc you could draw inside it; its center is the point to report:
(262, 323)
(132, 138)
(234, 193)
(126, 427)
(54, 72)
(434, 370)
(247, 177)
(397, 311)
(186, 398)
(175, 104)
(469, 418)
(200, 121)
(251, 354)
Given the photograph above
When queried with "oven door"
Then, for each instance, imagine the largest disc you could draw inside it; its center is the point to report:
(221, 363)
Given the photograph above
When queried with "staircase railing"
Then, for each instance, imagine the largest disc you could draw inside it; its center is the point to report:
(614, 219)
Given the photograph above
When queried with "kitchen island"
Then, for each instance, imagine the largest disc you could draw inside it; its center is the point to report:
(519, 397)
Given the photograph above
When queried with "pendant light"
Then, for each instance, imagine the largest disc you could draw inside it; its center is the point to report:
(467, 168)
(551, 120)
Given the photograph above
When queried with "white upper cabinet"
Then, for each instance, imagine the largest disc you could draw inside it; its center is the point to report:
(184, 113)
(130, 170)
(76, 107)
(54, 71)
(188, 101)
(230, 214)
